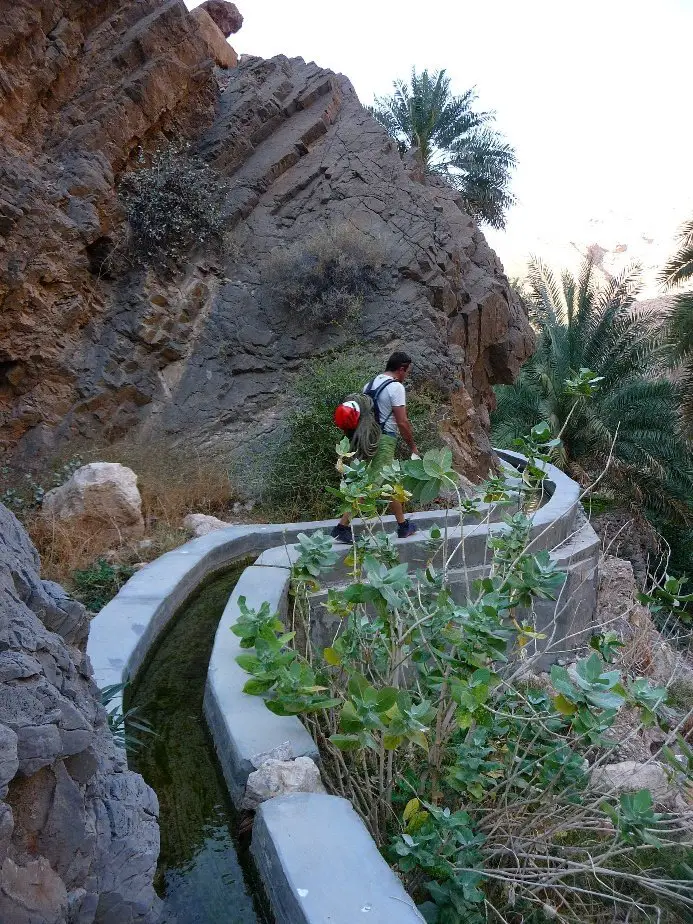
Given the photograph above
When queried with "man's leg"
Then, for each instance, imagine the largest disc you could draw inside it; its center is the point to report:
(383, 457)
(342, 531)
(398, 510)
(395, 507)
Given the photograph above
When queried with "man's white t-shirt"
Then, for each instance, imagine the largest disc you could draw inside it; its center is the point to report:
(392, 396)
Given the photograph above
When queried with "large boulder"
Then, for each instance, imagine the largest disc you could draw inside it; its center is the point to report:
(201, 524)
(79, 838)
(225, 15)
(631, 776)
(101, 498)
(219, 48)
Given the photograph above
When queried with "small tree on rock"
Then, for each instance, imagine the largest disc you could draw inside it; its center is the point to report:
(448, 137)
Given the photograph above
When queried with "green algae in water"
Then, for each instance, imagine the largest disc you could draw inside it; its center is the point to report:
(199, 874)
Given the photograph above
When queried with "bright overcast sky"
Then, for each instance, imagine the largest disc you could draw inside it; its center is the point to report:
(594, 95)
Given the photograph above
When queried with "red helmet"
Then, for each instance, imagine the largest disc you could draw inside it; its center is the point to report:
(347, 415)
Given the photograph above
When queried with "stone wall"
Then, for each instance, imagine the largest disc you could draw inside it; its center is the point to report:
(78, 831)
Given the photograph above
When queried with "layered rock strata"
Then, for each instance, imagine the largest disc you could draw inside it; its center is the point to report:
(79, 838)
(83, 85)
(209, 355)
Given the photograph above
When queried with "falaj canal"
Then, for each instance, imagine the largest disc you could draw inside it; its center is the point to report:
(200, 876)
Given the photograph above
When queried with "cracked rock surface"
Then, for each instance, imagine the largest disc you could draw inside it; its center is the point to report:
(79, 837)
(208, 356)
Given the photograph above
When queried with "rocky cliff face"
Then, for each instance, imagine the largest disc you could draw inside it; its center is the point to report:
(208, 356)
(78, 831)
(82, 84)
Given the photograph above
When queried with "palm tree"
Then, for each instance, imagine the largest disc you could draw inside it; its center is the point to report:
(449, 138)
(677, 276)
(632, 421)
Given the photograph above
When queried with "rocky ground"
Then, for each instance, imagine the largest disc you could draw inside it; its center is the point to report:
(79, 837)
(636, 760)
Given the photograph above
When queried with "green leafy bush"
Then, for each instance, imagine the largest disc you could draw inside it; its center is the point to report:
(297, 476)
(174, 201)
(630, 429)
(327, 277)
(96, 585)
(477, 786)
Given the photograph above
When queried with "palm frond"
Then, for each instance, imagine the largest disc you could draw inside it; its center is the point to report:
(681, 325)
(548, 306)
(634, 419)
(679, 269)
(453, 139)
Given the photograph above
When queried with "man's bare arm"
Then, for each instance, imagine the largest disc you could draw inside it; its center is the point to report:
(400, 415)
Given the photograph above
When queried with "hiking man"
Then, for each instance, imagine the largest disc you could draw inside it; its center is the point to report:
(390, 410)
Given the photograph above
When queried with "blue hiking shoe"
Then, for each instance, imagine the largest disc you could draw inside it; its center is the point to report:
(406, 529)
(341, 533)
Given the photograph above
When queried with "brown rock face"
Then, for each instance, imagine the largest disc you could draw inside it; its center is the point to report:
(83, 85)
(222, 52)
(224, 14)
(208, 358)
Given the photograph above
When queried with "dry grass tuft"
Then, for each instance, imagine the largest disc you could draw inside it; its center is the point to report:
(68, 547)
(64, 547)
(172, 483)
(326, 277)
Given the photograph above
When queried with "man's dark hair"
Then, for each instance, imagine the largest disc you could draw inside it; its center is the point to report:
(397, 360)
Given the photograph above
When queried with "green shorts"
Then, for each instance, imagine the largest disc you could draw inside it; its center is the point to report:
(384, 455)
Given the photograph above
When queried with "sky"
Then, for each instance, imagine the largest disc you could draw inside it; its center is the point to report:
(594, 95)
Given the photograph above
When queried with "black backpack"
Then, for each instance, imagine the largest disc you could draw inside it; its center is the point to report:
(374, 394)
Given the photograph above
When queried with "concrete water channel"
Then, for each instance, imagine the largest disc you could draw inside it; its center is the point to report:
(316, 861)
(204, 875)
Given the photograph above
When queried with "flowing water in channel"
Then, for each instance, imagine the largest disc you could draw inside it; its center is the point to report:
(199, 876)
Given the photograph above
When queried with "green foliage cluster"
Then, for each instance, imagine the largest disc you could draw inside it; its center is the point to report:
(631, 427)
(476, 787)
(299, 475)
(451, 139)
(326, 277)
(677, 276)
(174, 201)
(100, 582)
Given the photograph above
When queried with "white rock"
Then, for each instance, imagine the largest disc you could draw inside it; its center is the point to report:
(279, 777)
(629, 776)
(283, 751)
(200, 524)
(671, 667)
(101, 497)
